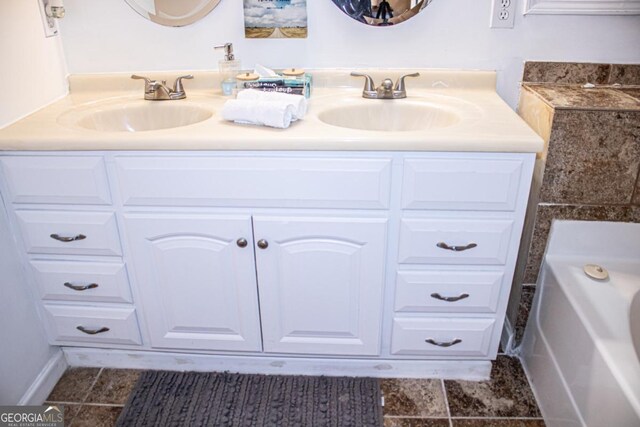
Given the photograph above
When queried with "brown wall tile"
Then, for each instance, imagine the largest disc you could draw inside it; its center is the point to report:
(537, 113)
(593, 158)
(546, 213)
(565, 72)
(524, 308)
(636, 195)
(577, 97)
(632, 92)
(625, 74)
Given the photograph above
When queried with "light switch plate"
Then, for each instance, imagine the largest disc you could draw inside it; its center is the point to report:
(50, 24)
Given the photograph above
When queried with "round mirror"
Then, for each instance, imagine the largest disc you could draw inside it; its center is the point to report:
(381, 13)
(173, 13)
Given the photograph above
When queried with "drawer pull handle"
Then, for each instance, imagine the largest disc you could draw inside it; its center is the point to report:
(81, 287)
(92, 331)
(443, 344)
(449, 299)
(443, 245)
(68, 239)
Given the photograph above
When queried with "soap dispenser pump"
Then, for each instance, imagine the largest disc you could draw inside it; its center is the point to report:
(228, 67)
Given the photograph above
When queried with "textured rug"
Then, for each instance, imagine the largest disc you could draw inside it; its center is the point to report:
(162, 398)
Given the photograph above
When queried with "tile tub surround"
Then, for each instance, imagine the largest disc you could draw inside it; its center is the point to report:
(504, 401)
(590, 167)
(581, 73)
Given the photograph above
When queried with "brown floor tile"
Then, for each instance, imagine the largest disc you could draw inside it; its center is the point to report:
(74, 385)
(505, 422)
(70, 411)
(413, 397)
(507, 394)
(113, 386)
(415, 422)
(97, 416)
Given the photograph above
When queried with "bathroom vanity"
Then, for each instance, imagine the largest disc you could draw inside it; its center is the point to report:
(326, 248)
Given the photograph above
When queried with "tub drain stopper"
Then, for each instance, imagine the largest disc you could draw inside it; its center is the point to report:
(596, 272)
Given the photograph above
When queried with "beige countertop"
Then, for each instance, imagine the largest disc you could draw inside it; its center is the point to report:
(486, 123)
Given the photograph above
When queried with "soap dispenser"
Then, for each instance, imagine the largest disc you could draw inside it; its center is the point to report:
(228, 67)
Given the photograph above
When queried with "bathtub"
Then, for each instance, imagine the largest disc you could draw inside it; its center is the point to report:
(582, 342)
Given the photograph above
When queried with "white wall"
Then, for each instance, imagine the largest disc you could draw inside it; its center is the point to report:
(33, 69)
(106, 35)
(32, 74)
(24, 350)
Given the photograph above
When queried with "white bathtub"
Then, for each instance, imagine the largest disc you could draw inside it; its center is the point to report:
(582, 340)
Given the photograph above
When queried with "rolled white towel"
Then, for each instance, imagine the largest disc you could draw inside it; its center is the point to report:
(275, 114)
(299, 102)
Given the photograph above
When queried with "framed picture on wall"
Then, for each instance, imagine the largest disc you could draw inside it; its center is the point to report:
(582, 7)
(275, 19)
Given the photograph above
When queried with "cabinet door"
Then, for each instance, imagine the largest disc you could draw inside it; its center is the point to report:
(198, 284)
(321, 283)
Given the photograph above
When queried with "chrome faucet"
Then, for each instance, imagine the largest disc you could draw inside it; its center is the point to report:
(159, 91)
(386, 90)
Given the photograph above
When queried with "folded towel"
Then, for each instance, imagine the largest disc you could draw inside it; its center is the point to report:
(275, 114)
(299, 102)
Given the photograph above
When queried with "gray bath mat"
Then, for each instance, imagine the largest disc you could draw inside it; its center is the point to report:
(221, 399)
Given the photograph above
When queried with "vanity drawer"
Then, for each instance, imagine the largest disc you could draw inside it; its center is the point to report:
(454, 241)
(56, 180)
(448, 291)
(89, 233)
(82, 281)
(441, 336)
(102, 325)
(255, 182)
(461, 184)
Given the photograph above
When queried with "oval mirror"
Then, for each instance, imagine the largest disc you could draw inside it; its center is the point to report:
(381, 13)
(173, 13)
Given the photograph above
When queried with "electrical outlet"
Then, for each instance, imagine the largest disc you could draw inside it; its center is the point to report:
(50, 24)
(502, 13)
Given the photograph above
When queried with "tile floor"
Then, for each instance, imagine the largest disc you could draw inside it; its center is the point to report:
(94, 397)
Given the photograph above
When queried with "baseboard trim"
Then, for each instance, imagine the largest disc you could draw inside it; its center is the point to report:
(386, 368)
(45, 381)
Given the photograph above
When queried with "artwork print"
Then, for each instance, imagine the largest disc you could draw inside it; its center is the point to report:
(275, 19)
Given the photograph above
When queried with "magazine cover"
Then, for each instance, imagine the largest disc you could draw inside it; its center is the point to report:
(275, 19)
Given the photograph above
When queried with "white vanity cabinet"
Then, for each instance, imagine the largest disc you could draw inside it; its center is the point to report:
(196, 278)
(321, 283)
(386, 259)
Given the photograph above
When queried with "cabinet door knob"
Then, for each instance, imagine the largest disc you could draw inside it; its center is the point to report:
(81, 287)
(68, 239)
(443, 245)
(242, 242)
(449, 299)
(443, 344)
(92, 331)
(263, 244)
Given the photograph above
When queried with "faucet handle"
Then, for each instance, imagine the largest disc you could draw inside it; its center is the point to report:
(400, 83)
(369, 86)
(147, 81)
(177, 86)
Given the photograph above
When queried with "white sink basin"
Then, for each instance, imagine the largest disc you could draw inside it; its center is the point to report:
(390, 116)
(135, 115)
